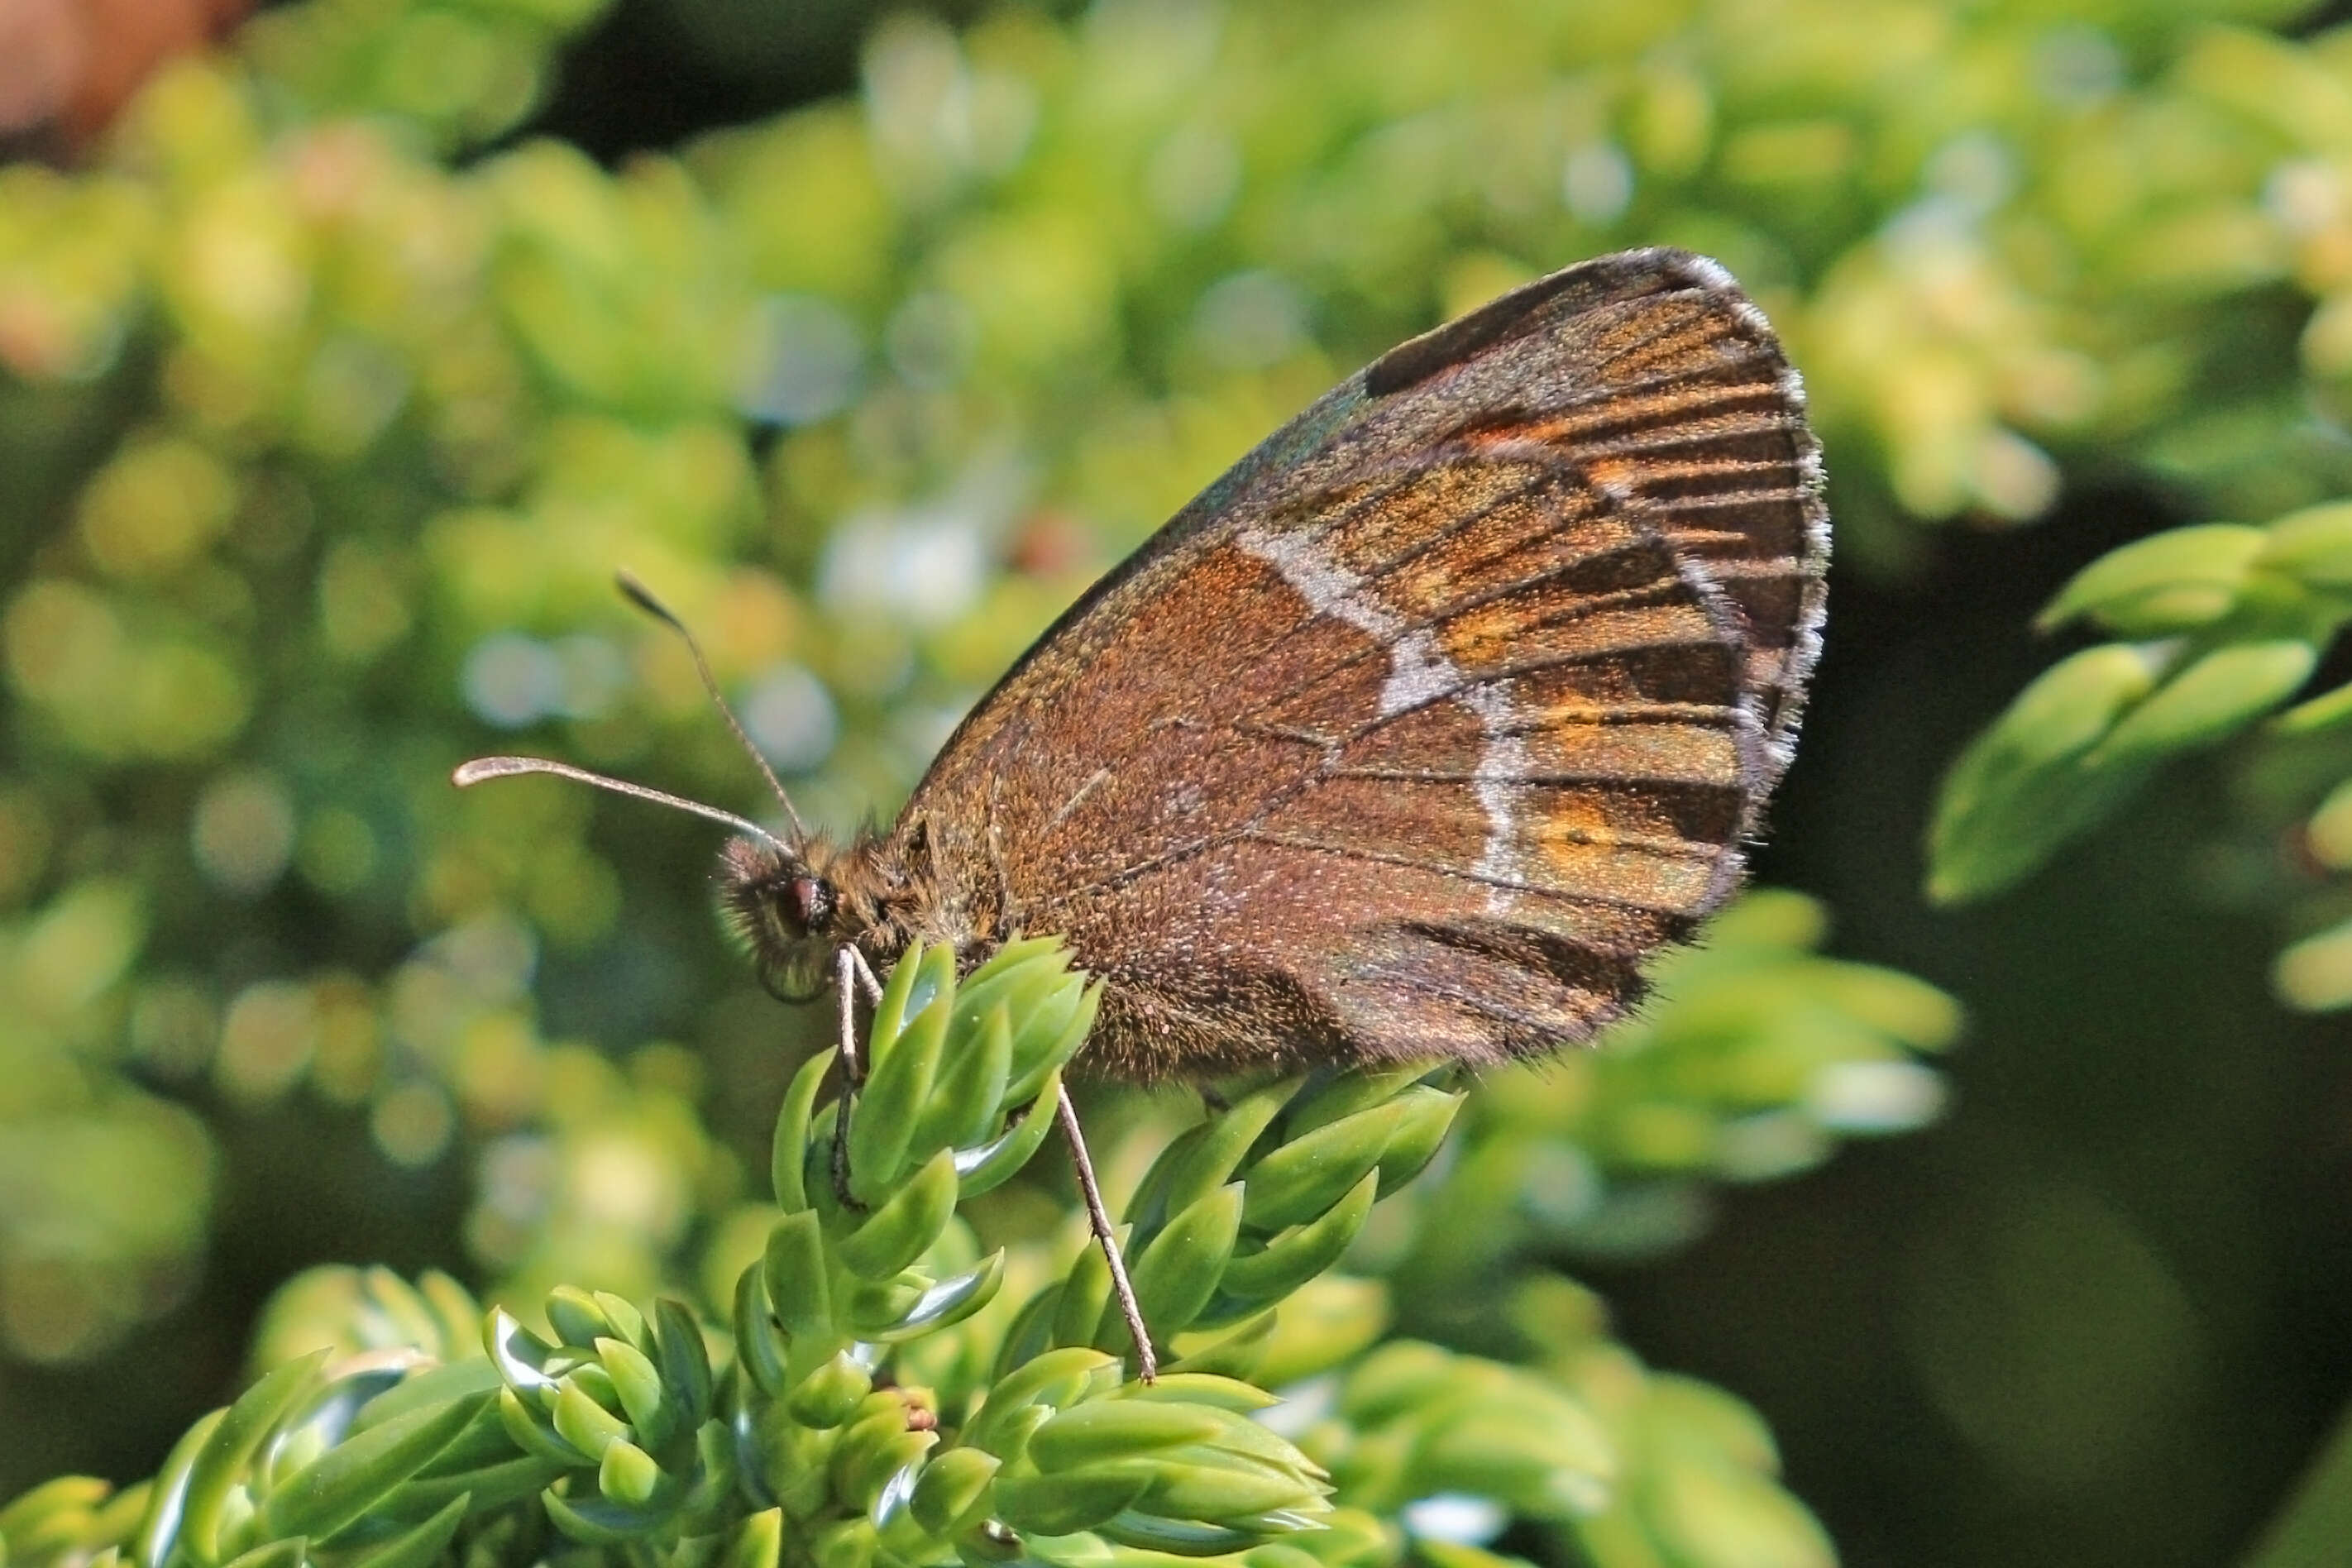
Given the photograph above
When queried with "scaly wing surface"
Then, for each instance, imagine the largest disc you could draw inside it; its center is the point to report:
(1420, 729)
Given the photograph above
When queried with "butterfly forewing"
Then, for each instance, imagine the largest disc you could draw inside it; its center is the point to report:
(1426, 724)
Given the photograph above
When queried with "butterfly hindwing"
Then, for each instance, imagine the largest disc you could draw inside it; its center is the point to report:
(1425, 725)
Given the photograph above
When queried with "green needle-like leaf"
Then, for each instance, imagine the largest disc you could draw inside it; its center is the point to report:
(1342, 1094)
(287, 1554)
(338, 1487)
(627, 1475)
(421, 1546)
(1229, 1394)
(1238, 1352)
(621, 1314)
(520, 1356)
(968, 1091)
(904, 1228)
(489, 1486)
(874, 1448)
(832, 1393)
(2215, 696)
(789, 1153)
(1304, 1178)
(685, 1363)
(848, 1543)
(758, 1340)
(1015, 976)
(531, 1433)
(987, 1167)
(226, 1454)
(159, 1530)
(639, 1386)
(1178, 1273)
(2314, 546)
(1084, 1295)
(1426, 1117)
(583, 1423)
(756, 1542)
(2019, 791)
(794, 1272)
(915, 983)
(576, 1316)
(2170, 582)
(433, 1386)
(1064, 1504)
(945, 1303)
(1151, 1533)
(599, 1521)
(951, 1487)
(888, 1108)
(1103, 1430)
(1047, 1031)
(1292, 1260)
(1206, 1156)
(1208, 1486)
(1051, 1380)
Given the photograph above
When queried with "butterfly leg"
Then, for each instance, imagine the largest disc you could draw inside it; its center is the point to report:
(853, 1073)
(866, 976)
(1147, 1364)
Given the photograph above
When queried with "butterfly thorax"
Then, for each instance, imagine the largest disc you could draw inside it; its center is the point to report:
(795, 904)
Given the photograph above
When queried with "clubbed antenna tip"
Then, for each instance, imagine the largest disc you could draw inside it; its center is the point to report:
(640, 596)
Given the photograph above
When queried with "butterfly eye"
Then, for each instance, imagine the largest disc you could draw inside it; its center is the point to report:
(809, 901)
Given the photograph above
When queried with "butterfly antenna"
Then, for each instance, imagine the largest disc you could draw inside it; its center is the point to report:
(482, 768)
(640, 596)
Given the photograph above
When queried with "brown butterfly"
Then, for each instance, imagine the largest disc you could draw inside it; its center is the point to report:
(1412, 736)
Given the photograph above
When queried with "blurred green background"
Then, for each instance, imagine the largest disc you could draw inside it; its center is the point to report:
(342, 362)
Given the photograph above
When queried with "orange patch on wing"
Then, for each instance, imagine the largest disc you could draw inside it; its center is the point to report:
(1613, 473)
(1687, 417)
(1574, 863)
(1374, 527)
(1487, 636)
(1686, 753)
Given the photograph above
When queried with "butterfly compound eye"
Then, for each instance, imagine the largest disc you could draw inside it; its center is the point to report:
(809, 901)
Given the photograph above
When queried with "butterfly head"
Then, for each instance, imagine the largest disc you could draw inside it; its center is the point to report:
(785, 903)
